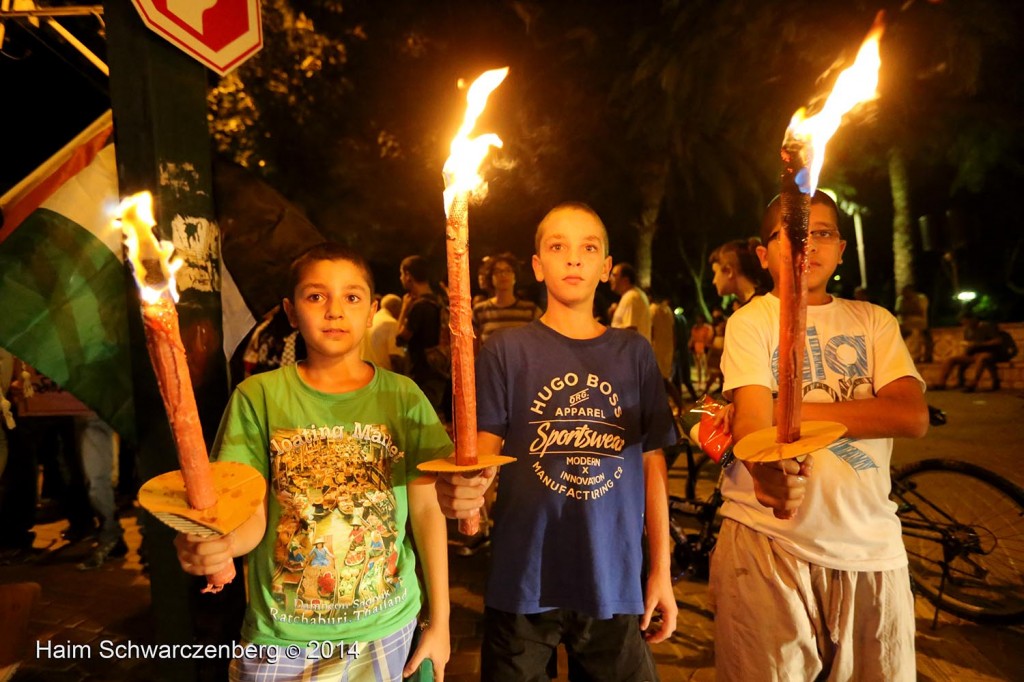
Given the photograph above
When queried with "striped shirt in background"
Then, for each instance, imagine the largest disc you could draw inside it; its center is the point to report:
(489, 317)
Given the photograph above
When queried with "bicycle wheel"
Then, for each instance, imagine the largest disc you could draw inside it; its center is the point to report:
(970, 521)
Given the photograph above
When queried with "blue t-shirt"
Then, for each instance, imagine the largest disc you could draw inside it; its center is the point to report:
(578, 416)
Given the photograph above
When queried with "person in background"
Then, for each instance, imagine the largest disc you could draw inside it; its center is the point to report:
(273, 344)
(738, 278)
(483, 281)
(681, 374)
(504, 310)
(40, 441)
(18, 474)
(701, 335)
(97, 446)
(663, 337)
(912, 313)
(419, 328)
(633, 310)
(978, 351)
(715, 352)
(737, 272)
(380, 345)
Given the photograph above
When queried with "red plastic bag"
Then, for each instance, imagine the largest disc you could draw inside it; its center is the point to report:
(712, 439)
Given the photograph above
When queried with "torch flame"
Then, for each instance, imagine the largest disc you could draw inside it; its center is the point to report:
(855, 85)
(150, 258)
(462, 169)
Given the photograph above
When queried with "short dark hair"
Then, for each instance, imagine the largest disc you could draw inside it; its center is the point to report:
(416, 267)
(508, 259)
(321, 252)
(773, 213)
(570, 206)
(628, 271)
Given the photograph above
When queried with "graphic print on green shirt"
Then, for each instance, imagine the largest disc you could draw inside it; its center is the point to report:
(335, 547)
(336, 561)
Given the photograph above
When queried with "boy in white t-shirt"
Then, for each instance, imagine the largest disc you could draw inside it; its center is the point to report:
(809, 578)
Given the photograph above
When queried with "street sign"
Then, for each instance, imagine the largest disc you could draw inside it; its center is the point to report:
(219, 33)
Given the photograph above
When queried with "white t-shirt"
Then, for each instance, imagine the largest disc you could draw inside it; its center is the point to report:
(381, 340)
(853, 349)
(634, 310)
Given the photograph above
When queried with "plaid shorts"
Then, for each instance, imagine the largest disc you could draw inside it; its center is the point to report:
(379, 660)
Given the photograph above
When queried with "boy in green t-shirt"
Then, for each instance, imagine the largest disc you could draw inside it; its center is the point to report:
(332, 584)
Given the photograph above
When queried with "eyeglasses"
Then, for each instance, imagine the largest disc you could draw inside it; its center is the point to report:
(819, 236)
(502, 271)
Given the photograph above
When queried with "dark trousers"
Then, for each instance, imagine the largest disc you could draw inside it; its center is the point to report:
(48, 441)
(518, 647)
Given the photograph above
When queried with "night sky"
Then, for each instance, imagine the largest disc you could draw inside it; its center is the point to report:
(50, 93)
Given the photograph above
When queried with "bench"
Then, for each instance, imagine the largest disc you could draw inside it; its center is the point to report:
(946, 344)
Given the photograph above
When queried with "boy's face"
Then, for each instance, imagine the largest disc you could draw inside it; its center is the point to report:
(571, 258)
(722, 279)
(503, 277)
(618, 283)
(824, 249)
(332, 308)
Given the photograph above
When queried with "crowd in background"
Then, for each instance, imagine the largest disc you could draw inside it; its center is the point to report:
(85, 480)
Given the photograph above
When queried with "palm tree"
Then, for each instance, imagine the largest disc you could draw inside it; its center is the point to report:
(934, 60)
(713, 87)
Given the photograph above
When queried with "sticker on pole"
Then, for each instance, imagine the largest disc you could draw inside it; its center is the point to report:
(219, 33)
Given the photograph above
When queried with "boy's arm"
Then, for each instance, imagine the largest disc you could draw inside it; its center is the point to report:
(404, 332)
(431, 534)
(236, 440)
(898, 410)
(208, 555)
(459, 495)
(779, 485)
(991, 343)
(659, 595)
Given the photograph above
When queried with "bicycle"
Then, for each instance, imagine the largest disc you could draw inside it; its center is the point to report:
(694, 521)
(966, 551)
(963, 528)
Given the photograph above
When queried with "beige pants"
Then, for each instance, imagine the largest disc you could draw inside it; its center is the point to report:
(780, 618)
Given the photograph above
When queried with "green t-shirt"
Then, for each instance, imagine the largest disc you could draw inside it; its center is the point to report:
(336, 562)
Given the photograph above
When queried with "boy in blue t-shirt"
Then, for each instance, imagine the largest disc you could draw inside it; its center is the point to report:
(583, 409)
(333, 592)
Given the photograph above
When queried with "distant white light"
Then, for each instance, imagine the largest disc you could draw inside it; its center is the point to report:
(837, 278)
(678, 311)
(966, 296)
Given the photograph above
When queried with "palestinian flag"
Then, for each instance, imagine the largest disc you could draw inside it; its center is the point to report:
(62, 283)
(62, 280)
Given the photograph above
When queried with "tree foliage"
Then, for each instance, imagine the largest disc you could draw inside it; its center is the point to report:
(714, 85)
(662, 113)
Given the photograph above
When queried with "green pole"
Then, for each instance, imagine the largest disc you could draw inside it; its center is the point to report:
(158, 96)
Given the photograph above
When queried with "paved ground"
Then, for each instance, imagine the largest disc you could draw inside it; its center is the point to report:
(113, 603)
